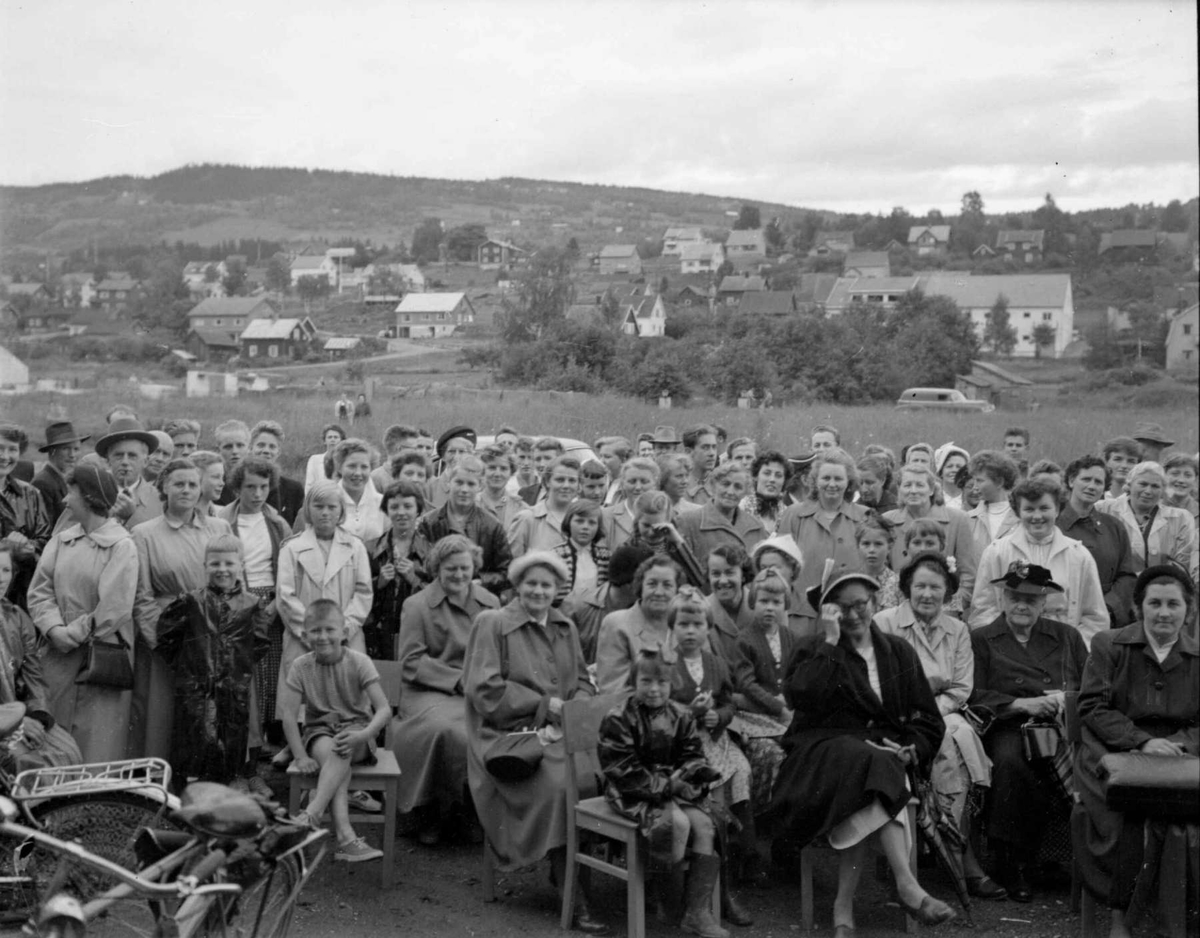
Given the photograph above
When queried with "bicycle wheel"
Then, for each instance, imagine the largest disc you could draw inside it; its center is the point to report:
(264, 910)
(106, 824)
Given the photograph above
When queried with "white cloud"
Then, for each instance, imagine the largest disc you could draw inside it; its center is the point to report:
(858, 105)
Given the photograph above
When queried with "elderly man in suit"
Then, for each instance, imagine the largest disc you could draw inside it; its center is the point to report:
(127, 447)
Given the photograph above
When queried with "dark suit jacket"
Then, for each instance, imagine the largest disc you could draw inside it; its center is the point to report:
(53, 486)
(287, 498)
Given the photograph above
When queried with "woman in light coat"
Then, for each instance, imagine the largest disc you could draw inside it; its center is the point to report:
(87, 577)
(1158, 532)
(322, 562)
(1039, 541)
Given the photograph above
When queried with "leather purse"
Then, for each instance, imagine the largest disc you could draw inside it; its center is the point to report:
(514, 757)
(106, 664)
(1144, 784)
(1040, 739)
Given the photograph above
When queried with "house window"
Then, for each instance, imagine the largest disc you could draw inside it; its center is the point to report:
(1187, 328)
(252, 351)
(1187, 355)
(1028, 315)
(1047, 317)
(272, 351)
(216, 322)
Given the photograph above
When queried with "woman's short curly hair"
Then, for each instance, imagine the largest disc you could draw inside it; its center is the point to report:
(765, 459)
(735, 555)
(656, 560)
(996, 466)
(834, 457)
(403, 489)
(1030, 490)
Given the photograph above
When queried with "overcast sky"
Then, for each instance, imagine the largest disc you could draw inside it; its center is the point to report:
(854, 106)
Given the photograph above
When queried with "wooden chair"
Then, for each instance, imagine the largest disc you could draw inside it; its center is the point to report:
(808, 855)
(591, 813)
(382, 777)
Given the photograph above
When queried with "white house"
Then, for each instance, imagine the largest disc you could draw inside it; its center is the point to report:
(1033, 300)
(315, 265)
(1182, 332)
(675, 237)
(14, 373)
(645, 317)
(700, 258)
(748, 244)
(431, 315)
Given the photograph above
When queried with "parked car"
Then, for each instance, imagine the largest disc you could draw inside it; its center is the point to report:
(941, 399)
(576, 448)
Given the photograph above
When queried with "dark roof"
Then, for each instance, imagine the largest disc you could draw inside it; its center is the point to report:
(769, 303)
(1035, 236)
(735, 283)
(229, 306)
(1128, 238)
(867, 259)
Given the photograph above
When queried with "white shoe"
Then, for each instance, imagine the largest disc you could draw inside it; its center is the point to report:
(357, 851)
(364, 802)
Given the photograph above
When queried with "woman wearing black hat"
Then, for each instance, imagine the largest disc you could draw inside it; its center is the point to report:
(84, 587)
(1023, 664)
(1141, 692)
(864, 716)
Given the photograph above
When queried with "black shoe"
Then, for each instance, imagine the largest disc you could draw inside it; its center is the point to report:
(733, 913)
(1019, 889)
(984, 887)
(584, 921)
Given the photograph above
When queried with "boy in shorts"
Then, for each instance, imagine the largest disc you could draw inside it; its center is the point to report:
(345, 708)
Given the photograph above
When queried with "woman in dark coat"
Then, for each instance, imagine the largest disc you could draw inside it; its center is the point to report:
(864, 715)
(1141, 692)
(397, 567)
(1023, 664)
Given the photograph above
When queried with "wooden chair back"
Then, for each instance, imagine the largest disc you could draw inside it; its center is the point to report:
(581, 719)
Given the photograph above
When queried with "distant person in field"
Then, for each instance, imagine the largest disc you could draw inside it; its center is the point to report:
(343, 410)
(1016, 443)
(362, 408)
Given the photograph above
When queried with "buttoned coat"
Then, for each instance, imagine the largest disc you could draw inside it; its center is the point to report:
(430, 732)
(706, 529)
(86, 577)
(1128, 697)
(623, 634)
(514, 665)
(1107, 540)
(306, 575)
(819, 540)
(1172, 534)
(1071, 566)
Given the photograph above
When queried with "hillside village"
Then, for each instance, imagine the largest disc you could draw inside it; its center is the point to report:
(313, 301)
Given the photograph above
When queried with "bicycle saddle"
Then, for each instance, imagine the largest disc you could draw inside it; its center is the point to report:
(11, 715)
(219, 811)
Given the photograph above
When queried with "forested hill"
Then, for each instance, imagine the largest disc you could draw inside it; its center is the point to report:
(212, 203)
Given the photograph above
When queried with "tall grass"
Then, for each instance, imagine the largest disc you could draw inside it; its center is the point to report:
(1060, 431)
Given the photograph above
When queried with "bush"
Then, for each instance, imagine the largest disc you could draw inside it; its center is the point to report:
(1130, 376)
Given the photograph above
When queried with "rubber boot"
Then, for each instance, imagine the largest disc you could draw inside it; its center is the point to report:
(731, 910)
(667, 893)
(697, 917)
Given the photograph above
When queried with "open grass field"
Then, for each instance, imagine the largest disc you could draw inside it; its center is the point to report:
(1061, 429)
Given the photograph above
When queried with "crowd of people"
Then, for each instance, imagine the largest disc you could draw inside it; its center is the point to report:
(806, 643)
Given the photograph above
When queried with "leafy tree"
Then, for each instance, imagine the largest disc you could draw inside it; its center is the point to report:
(1043, 337)
(899, 221)
(384, 282)
(724, 270)
(972, 208)
(748, 218)
(462, 242)
(573, 247)
(935, 217)
(774, 235)
(664, 285)
(544, 291)
(1149, 327)
(234, 281)
(1056, 224)
(998, 334)
(311, 289)
(427, 239)
(1173, 217)
(1103, 349)
(279, 275)
(211, 274)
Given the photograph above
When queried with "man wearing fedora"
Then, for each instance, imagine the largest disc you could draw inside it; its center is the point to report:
(62, 450)
(127, 447)
(1153, 439)
(665, 440)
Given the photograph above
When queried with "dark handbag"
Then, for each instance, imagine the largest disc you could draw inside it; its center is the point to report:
(1144, 784)
(1041, 739)
(979, 718)
(106, 664)
(514, 757)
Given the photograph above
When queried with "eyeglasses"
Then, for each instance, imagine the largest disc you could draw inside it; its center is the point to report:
(858, 608)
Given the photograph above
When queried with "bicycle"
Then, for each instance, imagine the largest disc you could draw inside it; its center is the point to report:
(236, 874)
(101, 805)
